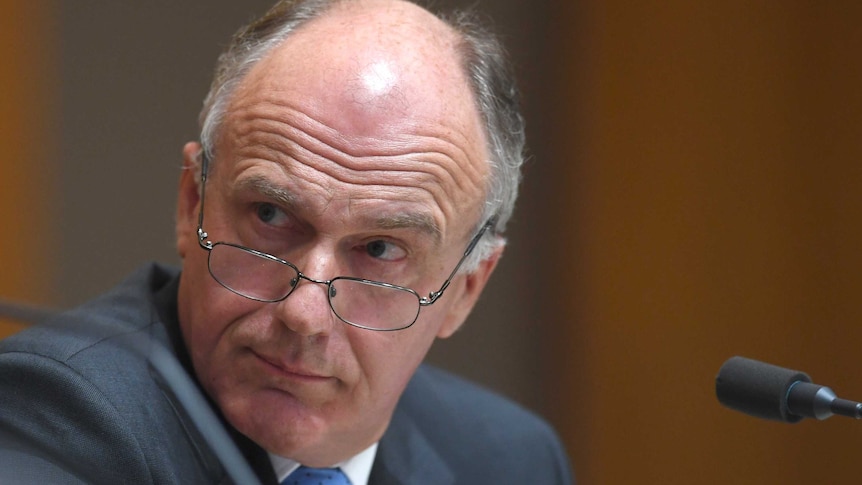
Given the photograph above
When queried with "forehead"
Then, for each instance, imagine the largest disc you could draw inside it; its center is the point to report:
(370, 87)
(375, 62)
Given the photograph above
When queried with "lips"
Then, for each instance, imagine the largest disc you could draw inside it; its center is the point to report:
(291, 371)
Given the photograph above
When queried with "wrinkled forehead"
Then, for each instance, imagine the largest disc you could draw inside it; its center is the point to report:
(371, 69)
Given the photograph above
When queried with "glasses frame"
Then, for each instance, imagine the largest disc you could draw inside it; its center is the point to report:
(423, 300)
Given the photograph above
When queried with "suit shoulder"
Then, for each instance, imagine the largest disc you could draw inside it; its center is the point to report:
(479, 432)
(126, 309)
(433, 390)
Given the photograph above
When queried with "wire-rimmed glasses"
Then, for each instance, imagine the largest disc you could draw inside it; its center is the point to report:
(368, 304)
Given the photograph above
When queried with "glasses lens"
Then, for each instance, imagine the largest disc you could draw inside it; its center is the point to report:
(251, 274)
(373, 305)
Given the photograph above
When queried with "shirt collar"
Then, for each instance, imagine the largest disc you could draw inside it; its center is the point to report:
(357, 468)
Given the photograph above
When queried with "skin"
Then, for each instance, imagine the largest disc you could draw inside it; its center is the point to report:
(342, 136)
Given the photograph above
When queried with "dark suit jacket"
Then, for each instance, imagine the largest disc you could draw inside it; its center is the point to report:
(79, 403)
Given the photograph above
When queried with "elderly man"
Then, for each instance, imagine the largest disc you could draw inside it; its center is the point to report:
(344, 208)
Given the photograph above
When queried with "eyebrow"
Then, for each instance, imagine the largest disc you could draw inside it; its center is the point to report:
(266, 188)
(412, 220)
(420, 221)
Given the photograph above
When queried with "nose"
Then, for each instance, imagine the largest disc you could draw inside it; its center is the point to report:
(306, 311)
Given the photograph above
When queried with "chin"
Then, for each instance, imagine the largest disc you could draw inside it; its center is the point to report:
(276, 421)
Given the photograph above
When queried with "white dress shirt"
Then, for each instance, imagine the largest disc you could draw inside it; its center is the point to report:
(357, 468)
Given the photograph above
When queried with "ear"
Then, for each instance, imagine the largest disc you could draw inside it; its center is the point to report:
(467, 293)
(188, 199)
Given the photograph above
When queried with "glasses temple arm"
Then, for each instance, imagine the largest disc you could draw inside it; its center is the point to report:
(202, 236)
(434, 295)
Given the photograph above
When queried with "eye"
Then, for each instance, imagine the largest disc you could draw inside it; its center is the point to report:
(270, 214)
(380, 249)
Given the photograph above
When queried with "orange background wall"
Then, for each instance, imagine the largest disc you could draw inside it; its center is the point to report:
(27, 73)
(710, 207)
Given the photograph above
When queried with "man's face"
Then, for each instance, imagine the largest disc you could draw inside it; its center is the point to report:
(348, 151)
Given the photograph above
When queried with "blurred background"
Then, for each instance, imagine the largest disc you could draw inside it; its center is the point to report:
(694, 192)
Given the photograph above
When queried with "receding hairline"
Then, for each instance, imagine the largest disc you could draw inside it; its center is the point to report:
(432, 31)
(215, 115)
(420, 221)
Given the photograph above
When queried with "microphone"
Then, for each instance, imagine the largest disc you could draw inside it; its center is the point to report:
(770, 392)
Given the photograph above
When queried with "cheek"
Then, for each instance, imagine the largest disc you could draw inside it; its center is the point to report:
(389, 359)
(206, 311)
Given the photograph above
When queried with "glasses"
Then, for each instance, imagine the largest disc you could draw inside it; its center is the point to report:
(372, 305)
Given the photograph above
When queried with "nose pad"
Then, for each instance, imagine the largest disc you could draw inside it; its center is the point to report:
(306, 311)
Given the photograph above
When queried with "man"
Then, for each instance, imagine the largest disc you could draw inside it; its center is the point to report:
(358, 162)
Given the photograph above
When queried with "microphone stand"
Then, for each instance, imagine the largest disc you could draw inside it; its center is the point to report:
(24, 313)
(178, 382)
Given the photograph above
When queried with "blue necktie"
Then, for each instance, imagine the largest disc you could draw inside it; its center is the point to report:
(316, 476)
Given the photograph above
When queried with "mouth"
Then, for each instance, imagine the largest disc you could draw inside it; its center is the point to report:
(294, 373)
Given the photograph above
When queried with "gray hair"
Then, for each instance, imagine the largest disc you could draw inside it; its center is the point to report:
(483, 59)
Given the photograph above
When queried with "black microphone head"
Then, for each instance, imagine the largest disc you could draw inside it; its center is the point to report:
(757, 388)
